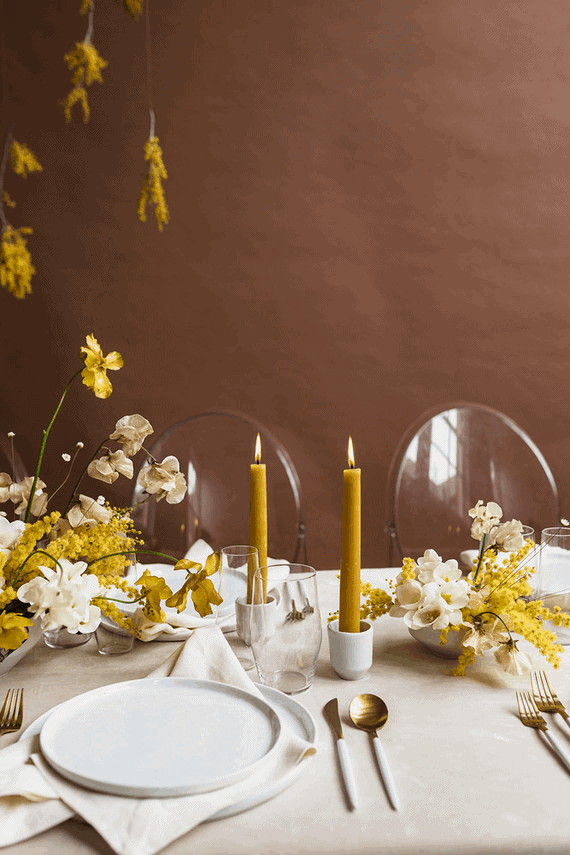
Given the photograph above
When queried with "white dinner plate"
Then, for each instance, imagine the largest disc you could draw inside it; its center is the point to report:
(160, 737)
(292, 714)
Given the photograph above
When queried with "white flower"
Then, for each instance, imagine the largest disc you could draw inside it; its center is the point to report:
(427, 564)
(512, 660)
(484, 518)
(5, 482)
(408, 596)
(20, 492)
(456, 596)
(507, 537)
(484, 636)
(433, 613)
(444, 571)
(108, 467)
(88, 511)
(66, 457)
(163, 479)
(62, 598)
(131, 432)
(10, 533)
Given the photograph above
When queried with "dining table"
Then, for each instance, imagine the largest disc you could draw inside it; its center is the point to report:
(470, 777)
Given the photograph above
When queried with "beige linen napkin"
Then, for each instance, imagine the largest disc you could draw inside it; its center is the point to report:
(31, 802)
(178, 626)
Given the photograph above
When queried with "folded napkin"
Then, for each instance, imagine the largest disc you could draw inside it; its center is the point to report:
(34, 798)
(178, 626)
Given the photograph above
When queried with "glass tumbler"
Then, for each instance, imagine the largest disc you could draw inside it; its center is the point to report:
(239, 563)
(553, 584)
(286, 631)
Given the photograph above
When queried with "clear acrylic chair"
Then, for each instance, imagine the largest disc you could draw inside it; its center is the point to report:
(449, 458)
(215, 450)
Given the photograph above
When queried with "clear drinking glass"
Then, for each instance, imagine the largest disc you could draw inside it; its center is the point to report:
(112, 639)
(286, 631)
(238, 564)
(553, 585)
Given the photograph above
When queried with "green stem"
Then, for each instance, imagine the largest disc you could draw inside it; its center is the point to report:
(42, 449)
(35, 552)
(114, 600)
(480, 561)
(131, 552)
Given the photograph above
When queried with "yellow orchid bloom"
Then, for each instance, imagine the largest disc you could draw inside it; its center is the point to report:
(154, 589)
(204, 594)
(13, 630)
(96, 366)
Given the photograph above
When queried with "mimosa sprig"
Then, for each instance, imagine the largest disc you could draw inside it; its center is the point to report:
(86, 64)
(16, 268)
(494, 598)
(57, 568)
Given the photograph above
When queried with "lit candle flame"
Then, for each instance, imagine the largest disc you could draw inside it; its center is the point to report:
(258, 449)
(350, 453)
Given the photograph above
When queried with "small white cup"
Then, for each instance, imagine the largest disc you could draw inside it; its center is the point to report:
(351, 652)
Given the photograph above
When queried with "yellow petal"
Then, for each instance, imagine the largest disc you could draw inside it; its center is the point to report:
(113, 361)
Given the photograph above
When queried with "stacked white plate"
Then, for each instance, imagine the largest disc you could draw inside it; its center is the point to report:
(170, 737)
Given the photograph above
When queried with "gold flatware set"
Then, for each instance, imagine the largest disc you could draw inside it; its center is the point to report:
(370, 713)
(12, 712)
(543, 699)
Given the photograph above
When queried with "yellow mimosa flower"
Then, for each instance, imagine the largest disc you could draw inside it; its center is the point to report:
(134, 7)
(23, 159)
(96, 366)
(16, 268)
(152, 185)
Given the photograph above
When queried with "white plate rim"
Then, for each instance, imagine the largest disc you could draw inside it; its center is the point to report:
(68, 708)
(278, 700)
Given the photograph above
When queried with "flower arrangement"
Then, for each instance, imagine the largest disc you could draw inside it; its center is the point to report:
(58, 566)
(487, 607)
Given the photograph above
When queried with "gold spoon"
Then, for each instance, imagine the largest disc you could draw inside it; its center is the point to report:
(369, 712)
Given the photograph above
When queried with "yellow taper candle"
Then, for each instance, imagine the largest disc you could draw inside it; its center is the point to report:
(258, 517)
(349, 606)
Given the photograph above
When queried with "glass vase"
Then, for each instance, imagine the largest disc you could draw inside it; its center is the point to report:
(60, 638)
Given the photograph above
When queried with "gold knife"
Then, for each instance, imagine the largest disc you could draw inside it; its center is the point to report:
(330, 711)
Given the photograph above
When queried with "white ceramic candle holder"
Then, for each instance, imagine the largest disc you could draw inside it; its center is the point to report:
(351, 652)
(243, 618)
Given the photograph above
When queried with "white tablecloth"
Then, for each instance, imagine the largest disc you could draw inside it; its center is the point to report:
(471, 778)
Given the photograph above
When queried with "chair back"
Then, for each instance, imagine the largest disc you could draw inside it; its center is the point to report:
(449, 458)
(215, 450)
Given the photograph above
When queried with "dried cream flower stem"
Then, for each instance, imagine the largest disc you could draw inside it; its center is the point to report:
(66, 479)
(83, 473)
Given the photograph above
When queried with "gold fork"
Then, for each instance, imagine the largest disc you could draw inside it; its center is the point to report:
(12, 711)
(531, 717)
(545, 697)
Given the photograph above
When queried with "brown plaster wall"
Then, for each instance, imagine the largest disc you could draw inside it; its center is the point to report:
(369, 216)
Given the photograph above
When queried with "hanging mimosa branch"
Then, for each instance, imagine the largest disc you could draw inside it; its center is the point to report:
(134, 7)
(16, 268)
(153, 182)
(152, 185)
(86, 64)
